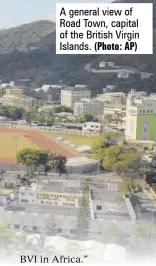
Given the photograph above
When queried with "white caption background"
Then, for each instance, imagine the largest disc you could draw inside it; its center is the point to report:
(140, 39)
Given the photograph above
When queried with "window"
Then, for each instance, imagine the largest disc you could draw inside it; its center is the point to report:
(140, 111)
(151, 111)
(42, 202)
(17, 226)
(59, 230)
(147, 111)
(24, 227)
(99, 208)
(60, 196)
(23, 194)
(24, 200)
(34, 228)
(143, 111)
(31, 194)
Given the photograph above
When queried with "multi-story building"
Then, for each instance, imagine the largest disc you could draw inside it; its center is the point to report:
(108, 210)
(53, 92)
(72, 95)
(23, 101)
(114, 102)
(112, 97)
(141, 117)
(14, 91)
(56, 192)
(92, 106)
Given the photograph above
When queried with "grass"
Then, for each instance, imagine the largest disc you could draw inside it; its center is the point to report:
(8, 144)
(77, 140)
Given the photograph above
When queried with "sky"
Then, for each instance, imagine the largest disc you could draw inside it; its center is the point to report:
(17, 12)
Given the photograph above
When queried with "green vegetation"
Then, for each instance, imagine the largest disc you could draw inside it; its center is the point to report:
(33, 159)
(60, 109)
(86, 117)
(84, 215)
(128, 187)
(50, 227)
(11, 112)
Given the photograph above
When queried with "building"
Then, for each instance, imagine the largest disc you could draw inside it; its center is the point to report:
(92, 127)
(141, 117)
(112, 97)
(106, 64)
(72, 95)
(92, 106)
(55, 192)
(81, 165)
(53, 92)
(114, 102)
(61, 199)
(123, 75)
(14, 91)
(23, 83)
(23, 101)
(145, 75)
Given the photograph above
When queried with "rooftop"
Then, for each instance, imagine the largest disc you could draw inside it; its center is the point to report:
(114, 206)
(34, 214)
(59, 186)
(80, 161)
(76, 89)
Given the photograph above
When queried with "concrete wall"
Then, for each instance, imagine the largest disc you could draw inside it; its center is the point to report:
(70, 132)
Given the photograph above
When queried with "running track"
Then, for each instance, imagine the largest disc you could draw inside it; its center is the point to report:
(41, 141)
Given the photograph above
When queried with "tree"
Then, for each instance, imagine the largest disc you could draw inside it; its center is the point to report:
(101, 144)
(32, 159)
(108, 119)
(128, 187)
(119, 157)
(84, 215)
(118, 118)
(11, 112)
(60, 164)
(50, 227)
(60, 109)
(99, 148)
(86, 117)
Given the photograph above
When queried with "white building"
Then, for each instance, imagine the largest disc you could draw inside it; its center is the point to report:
(71, 95)
(123, 75)
(92, 127)
(109, 88)
(114, 102)
(55, 192)
(106, 64)
(145, 75)
(112, 97)
(92, 106)
(108, 210)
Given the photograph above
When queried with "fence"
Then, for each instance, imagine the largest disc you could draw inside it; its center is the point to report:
(63, 131)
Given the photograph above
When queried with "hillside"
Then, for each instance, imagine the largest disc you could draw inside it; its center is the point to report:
(28, 51)
(24, 36)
